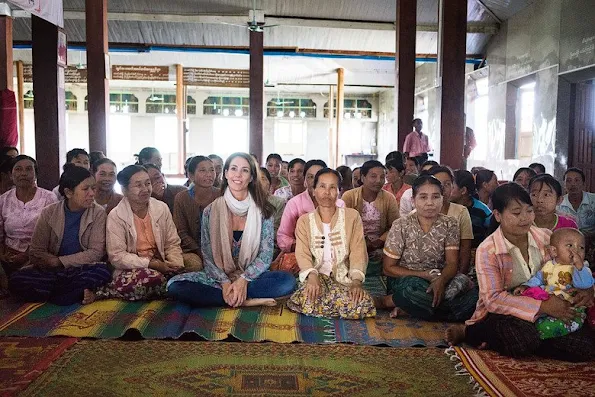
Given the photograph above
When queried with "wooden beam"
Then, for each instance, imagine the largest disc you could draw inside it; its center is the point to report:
(50, 112)
(405, 68)
(97, 81)
(452, 66)
(340, 107)
(256, 93)
(181, 115)
(6, 72)
(331, 129)
(21, 106)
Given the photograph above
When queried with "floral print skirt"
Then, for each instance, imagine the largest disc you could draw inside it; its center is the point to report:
(333, 301)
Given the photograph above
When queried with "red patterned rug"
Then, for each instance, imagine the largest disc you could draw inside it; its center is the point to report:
(24, 359)
(496, 375)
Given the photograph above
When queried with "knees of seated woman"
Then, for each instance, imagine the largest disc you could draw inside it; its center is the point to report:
(272, 284)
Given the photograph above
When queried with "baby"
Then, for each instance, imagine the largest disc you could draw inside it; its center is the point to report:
(566, 270)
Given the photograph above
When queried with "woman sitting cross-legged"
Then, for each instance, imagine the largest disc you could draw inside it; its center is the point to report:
(331, 253)
(142, 241)
(68, 246)
(508, 258)
(237, 246)
(421, 257)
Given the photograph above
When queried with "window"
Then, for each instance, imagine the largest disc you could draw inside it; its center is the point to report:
(166, 140)
(479, 123)
(161, 103)
(226, 106)
(352, 109)
(190, 105)
(287, 107)
(70, 101)
(290, 138)
(119, 103)
(119, 140)
(230, 135)
(526, 105)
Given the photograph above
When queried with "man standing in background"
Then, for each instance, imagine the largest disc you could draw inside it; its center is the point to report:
(417, 143)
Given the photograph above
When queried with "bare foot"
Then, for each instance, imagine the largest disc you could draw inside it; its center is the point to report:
(384, 302)
(397, 312)
(455, 334)
(260, 302)
(88, 297)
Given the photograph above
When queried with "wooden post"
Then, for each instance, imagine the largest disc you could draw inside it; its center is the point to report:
(97, 81)
(181, 115)
(21, 106)
(331, 130)
(6, 72)
(340, 98)
(452, 65)
(405, 67)
(256, 94)
(50, 112)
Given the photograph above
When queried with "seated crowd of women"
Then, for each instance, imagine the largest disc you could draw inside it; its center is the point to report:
(208, 246)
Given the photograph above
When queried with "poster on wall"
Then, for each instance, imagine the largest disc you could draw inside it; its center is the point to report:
(50, 10)
(139, 72)
(208, 77)
(62, 48)
(72, 74)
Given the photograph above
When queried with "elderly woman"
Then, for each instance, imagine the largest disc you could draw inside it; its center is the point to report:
(509, 257)
(189, 206)
(68, 246)
(395, 171)
(332, 258)
(142, 241)
(421, 257)
(19, 209)
(105, 171)
(237, 245)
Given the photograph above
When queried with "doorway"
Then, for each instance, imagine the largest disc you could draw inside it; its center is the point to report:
(583, 137)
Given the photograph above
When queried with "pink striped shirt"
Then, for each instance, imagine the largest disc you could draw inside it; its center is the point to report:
(494, 266)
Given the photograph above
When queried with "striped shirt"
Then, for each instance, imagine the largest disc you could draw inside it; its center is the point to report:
(495, 265)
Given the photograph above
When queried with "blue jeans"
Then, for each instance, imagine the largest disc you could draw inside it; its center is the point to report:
(270, 284)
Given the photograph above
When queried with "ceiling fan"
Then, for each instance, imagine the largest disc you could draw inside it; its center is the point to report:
(256, 22)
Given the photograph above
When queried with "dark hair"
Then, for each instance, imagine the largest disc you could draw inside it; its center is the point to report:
(96, 156)
(295, 161)
(483, 176)
(414, 120)
(145, 155)
(524, 169)
(539, 166)
(312, 163)
(20, 157)
(425, 180)
(578, 171)
(254, 187)
(195, 161)
(6, 149)
(346, 173)
(503, 195)
(355, 169)
(328, 171)
(215, 157)
(429, 162)
(475, 170)
(396, 165)
(285, 162)
(464, 179)
(74, 153)
(549, 181)
(368, 165)
(441, 168)
(72, 177)
(127, 173)
(394, 155)
(274, 156)
(414, 159)
(5, 164)
(266, 173)
(95, 166)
